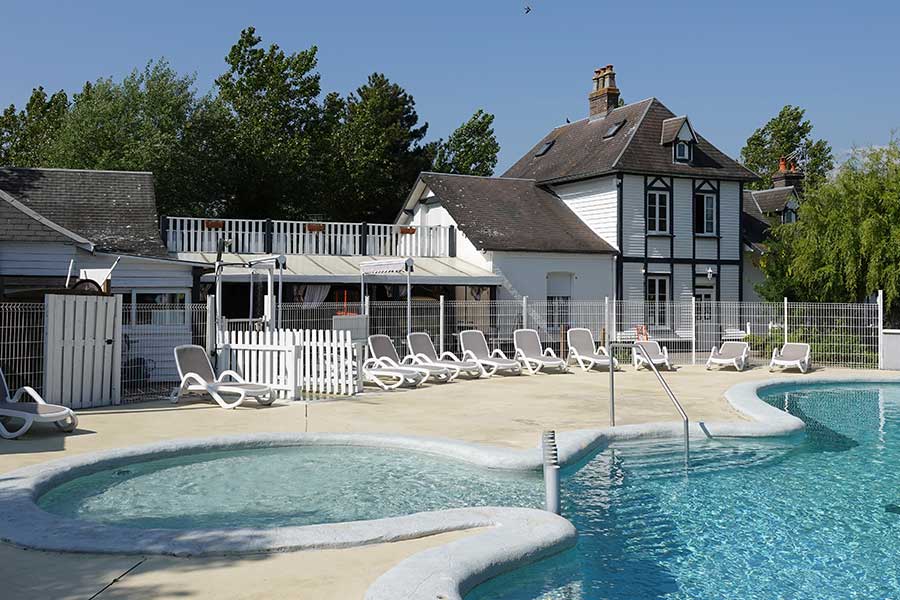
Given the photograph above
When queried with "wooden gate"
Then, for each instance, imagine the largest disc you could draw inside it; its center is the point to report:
(83, 350)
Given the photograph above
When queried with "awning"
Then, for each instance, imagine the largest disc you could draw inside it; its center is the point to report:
(345, 270)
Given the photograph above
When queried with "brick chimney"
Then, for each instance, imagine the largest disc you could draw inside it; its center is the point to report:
(788, 175)
(605, 95)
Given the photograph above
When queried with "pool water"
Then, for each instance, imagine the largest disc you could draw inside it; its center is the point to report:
(277, 487)
(817, 516)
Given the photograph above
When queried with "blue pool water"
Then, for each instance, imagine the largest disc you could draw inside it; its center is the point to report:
(812, 517)
(278, 487)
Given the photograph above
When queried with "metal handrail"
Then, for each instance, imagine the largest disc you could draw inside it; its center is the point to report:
(666, 388)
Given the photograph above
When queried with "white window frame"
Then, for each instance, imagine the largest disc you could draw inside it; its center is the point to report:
(658, 309)
(687, 151)
(709, 213)
(653, 224)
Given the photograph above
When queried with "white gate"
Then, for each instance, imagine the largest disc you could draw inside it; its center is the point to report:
(83, 350)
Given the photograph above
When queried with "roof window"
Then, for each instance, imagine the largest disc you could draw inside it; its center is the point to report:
(613, 129)
(545, 148)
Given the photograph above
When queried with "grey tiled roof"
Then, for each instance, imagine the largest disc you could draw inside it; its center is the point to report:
(115, 210)
(580, 150)
(759, 206)
(498, 213)
(773, 199)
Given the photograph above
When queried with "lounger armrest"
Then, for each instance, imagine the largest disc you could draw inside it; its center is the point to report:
(190, 376)
(410, 359)
(229, 373)
(469, 355)
(450, 355)
(27, 390)
(549, 352)
(774, 353)
(498, 353)
(388, 362)
(665, 352)
(713, 353)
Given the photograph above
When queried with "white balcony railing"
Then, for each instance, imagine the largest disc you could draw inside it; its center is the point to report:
(257, 236)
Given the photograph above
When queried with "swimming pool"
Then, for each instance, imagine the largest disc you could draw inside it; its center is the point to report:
(282, 487)
(811, 517)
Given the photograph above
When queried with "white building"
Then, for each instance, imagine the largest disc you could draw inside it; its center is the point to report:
(661, 205)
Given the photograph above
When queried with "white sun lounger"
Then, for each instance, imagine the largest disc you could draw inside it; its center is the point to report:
(791, 355)
(533, 356)
(475, 349)
(385, 355)
(736, 354)
(198, 377)
(422, 351)
(30, 413)
(584, 352)
(658, 356)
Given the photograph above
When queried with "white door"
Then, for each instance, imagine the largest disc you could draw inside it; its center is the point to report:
(82, 350)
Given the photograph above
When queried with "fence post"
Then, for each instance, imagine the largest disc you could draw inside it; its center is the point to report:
(524, 312)
(366, 306)
(293, 355)
(785, 320)
(441, 325)
(881, 329)
(210, 325)
(693, 330)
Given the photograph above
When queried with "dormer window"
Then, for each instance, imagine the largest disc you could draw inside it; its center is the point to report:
(544, 149)
(682, 152)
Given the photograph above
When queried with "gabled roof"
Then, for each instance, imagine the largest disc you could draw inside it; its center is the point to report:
(773, 200)
(672, 127)
(507, 214)
(758, 208)
(580, 150)
(114, 210)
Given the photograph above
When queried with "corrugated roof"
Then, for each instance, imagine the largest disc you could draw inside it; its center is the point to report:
(345, 269)
(499, 213)
(115, 210)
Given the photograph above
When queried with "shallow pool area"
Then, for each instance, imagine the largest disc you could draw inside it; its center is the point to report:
(283, 486)
(812, 516)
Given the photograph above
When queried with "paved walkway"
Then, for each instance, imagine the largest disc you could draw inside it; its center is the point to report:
(509, 411)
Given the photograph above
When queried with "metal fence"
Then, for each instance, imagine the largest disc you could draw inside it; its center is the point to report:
(842, 335)
(22, 344)
(150, 333)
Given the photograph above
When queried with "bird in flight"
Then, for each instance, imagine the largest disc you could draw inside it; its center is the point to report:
(527, 9)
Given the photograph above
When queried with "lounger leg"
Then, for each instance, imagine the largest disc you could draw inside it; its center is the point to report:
(68, 424)
(267, 399)
(221, 401)
(11, 435)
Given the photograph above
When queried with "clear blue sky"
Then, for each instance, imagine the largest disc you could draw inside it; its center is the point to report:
(729, 66)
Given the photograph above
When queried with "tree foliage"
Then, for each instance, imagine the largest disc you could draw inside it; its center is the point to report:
(787, 134)
(845, 244)
(470, 150)
(264, 142)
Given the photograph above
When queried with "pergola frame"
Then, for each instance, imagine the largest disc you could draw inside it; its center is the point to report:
(383, 267)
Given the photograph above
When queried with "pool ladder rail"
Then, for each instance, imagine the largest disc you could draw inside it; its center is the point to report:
(665, 387)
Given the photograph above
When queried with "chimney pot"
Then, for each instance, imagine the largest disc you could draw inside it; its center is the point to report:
(605, 95)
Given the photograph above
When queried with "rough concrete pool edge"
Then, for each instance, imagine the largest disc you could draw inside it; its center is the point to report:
(455, 568)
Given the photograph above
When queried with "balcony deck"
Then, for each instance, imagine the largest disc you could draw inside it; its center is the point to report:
(265, 236)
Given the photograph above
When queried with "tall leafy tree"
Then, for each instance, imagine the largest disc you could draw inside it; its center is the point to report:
(846, 243)
(470, 150)
(147, 122)
(27, 136)
(272, 98)
(379, 150)
(788, 133)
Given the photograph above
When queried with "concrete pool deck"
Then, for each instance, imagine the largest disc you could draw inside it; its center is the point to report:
(509, 412)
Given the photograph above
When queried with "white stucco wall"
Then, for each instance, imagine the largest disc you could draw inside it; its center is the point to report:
(593, 274)
(435, 214)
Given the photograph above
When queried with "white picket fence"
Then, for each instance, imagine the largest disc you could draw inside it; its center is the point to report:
(294, 362)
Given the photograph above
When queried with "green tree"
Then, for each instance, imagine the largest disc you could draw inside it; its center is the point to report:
(787, 134)
(26, 136)
(470, 150)
(149, 121)
(845, 244)
(379, 151)
(272, 98)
